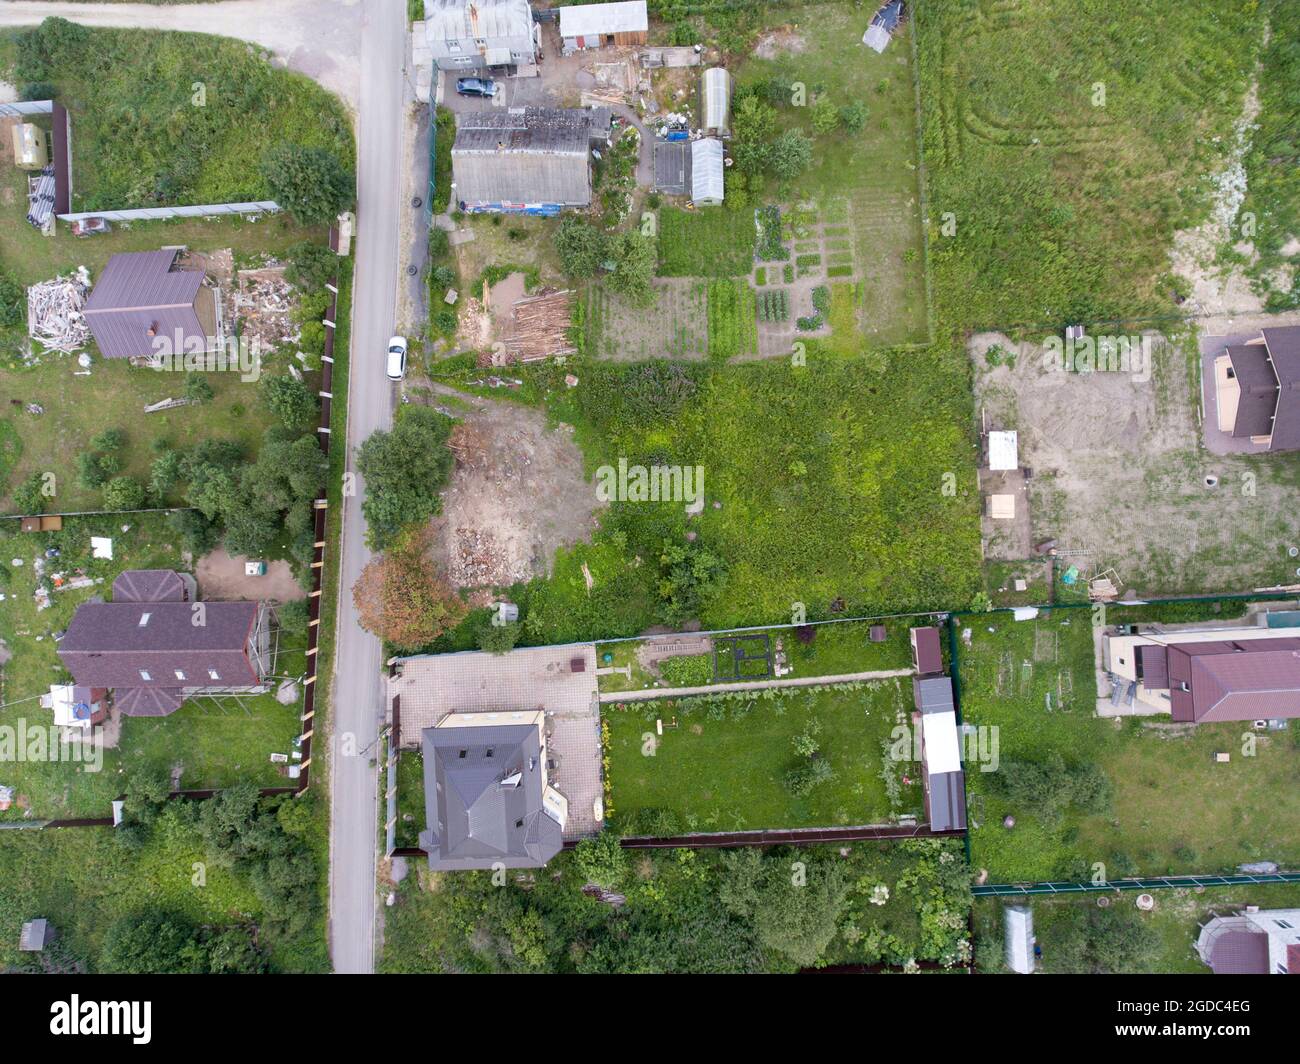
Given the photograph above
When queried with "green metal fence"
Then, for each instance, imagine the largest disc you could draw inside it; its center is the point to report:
(1002, 890)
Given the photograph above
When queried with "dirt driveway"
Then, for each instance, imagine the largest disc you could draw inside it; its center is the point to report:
(518, 493)
(1118, 469)
(221, 579)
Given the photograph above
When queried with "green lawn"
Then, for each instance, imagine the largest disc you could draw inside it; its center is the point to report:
(1173, 809)
(214, 744)
(723, 767)
(410, 797)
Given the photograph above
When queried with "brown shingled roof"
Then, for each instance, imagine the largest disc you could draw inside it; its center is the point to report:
(107, 646)
(149, 585)
(1255, 679)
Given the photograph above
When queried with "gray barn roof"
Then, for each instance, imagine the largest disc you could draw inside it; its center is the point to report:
(483, 798)
(140, 296)
(531, 155)
(932, 694)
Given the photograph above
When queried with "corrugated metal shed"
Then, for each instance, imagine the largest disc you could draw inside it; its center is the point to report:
(536, 155)
(715, 102)
(706, 172)
(626, 16)
(1018, 938)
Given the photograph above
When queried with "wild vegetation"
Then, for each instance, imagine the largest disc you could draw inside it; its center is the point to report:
(689, 911)
(174, 118)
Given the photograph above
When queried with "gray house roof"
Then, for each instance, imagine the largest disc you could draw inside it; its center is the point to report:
(1283, 345)
(483, 798)
(141, 296)
(457, 20)
(527, 155)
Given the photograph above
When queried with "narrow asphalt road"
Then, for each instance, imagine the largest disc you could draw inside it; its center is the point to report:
(324, 39)
(357, 702)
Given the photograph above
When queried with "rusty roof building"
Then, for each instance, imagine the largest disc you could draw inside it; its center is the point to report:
(145, 304)
(156, 652)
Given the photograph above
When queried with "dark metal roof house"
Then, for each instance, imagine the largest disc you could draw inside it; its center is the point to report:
(532, 158)
(483, 793)
(1226, 679)
(1259, 394)
(144, 304)
(154, 653)
(927, 653)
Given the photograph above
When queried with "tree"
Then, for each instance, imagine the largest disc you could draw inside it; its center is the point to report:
(602, 860)
(825, 116)
(791, 155)
(688, 574)
(165, 473)
(799, 919)
(400, 598)
(311, 266)
(13, 300)
(290, 400)
(753, 120)
(582, 246)
(309, 183)
(405, 470)
(124, 493)
(636, 257)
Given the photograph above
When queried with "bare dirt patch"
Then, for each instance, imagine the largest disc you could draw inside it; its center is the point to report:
(1118, 469)
(518, 493)
(221, 578)
(783, 41)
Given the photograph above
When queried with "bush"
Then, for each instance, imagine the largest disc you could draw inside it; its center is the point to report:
(498, 638)
(13, 300)
(29, 496)
(124, 493)
(311, 266)
(290, 400)
(853, 116)
(198, 388)
(803, 780)
(310, 183)
(825, 116)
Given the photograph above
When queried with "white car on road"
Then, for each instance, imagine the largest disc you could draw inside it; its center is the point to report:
(397, 358)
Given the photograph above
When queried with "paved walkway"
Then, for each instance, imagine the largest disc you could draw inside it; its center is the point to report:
(751, 685)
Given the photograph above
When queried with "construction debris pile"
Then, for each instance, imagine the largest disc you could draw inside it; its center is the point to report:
(264, 303)
(55, 312)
